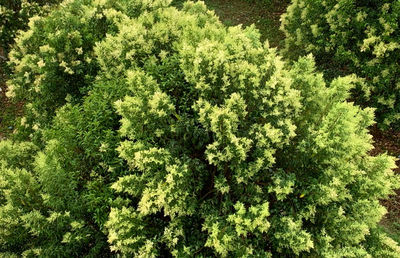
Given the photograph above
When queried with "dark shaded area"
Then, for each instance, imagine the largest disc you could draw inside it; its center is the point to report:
(389, 142)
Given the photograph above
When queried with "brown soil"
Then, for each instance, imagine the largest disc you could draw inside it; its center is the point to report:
(265, 15)
(389, 142)
(9, 110)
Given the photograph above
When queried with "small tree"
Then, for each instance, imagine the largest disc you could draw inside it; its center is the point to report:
(346, 37)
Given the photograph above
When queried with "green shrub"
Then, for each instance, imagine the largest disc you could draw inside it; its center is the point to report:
(233, 155)
(14, 16)
(54, 61)
(196, 140)
(42, 213)
(360, 37)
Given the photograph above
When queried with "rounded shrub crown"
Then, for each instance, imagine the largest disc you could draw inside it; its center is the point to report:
(53, 62)
(14, 16)
(232, 154)
(360, 37)
(197, 140)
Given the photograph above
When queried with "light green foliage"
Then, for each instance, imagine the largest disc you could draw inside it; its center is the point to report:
(17, 155)
(14, 16)
(251, 142)
(54, 58)
(196, 140)
(53, 61)
(70, 176)
(351, 36)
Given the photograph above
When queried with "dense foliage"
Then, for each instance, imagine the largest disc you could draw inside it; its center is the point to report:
(14, 16)
(350, 36)
(54, 60)
(189, 139)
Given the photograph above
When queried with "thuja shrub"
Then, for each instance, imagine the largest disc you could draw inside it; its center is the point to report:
(14, 16)
(197, 140)
(231, 154)
(358, 37)
(54, 200)
(42, 209)
(53, 61)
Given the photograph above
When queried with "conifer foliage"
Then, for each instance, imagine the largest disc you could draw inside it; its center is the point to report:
(14, 16)
(350, 36)
(53, 62)
(194, 139)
